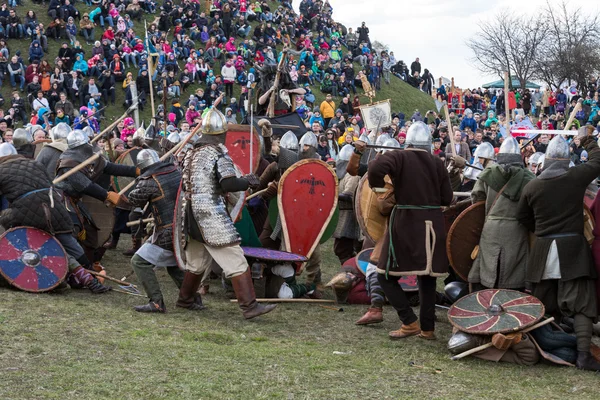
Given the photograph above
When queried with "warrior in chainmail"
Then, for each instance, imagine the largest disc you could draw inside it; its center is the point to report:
(51, 152)
(157, 186)
(347, 232)
(32, 202)
(208, 175)
(84, 182)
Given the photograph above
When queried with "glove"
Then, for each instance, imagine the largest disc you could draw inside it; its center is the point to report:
(115, 199)
(137, 171)
(505, 342)
(271, 191)
(253, 181)
(359, 146)
(459, 162)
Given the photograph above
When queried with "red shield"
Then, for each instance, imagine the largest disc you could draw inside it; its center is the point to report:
(32, 260)
(307, 198)
(241, 144)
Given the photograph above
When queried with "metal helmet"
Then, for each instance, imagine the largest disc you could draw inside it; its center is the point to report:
(390, 143)
(455, 291)
(558, 148)
(510, 146)
(33, 128)
(7, 149)
(146, 158)
(213, 123)
(345, 153)
(473, 173)
(365, 138)
(60, 132)
(289, 141)
(541, 162)
(381, 139)
(535, 158)
(77, 138)
(309, 139)
(21, 137)
(484, 150)
(419, 135)
(89, 132)
(174, 137)
(462, 341)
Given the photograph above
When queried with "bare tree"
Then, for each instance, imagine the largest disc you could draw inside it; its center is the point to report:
(508, 43)
(571, 51)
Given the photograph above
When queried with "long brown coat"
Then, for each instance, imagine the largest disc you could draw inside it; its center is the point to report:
(418, 236)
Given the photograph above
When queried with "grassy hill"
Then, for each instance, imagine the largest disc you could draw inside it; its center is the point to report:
(404, 98)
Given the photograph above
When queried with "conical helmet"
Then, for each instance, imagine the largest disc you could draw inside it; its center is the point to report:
(510, 146)
(364, 138)
(289, 141)
(345, 153)
(60, 131)
(7, 149)
(418, 134)
(213, 123)
(390, 143)
(309, 139)
(484, 150)
(558, 148)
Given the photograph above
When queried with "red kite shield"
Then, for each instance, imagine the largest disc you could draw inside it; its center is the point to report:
(307, 198)
(32, 260)
(237, 141)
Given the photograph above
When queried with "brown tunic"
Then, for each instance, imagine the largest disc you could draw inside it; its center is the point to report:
(421, 187)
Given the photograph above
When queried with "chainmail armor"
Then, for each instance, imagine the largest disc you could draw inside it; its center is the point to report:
(203, 169)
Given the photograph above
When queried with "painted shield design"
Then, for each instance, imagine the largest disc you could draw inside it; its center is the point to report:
(307, 199)
(126, 158)
(103, 216)
(179, 239)
(240, 143)
(32, 260)
(372, 222)
(260, 253)
(495, 311)
(463, 237)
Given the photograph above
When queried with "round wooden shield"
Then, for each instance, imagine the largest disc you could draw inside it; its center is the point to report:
(104, 217)
(463, 237)
(408, 283)
(453, 211)
(32, 260)
(363, 259)
(495, 311)
(179, 239)
(126, 158)
(307, 198)
(240, 144)
(272, 255)
(372, 223)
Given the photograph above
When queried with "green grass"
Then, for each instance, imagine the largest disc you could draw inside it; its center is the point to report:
(404, 98)
(81, 346)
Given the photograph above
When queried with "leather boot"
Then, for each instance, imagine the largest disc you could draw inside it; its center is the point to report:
(152, 307)
(586, 361)
(427, 335)
(406, 331)
(188, 298)
(136, 243)
(244, 291)
(374, 315)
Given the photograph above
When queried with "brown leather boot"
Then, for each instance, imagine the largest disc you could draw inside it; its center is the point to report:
(406, 331)
(427, 335)
(244, 291)
(374, 315)
(136, 243)
(188, 296)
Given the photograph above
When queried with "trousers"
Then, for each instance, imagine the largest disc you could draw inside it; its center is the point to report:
(200, 257)
(145, 273)
(397, 298)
